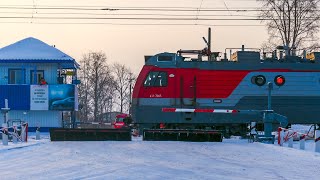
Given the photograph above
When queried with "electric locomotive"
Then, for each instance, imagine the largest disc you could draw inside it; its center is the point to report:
(174, 91)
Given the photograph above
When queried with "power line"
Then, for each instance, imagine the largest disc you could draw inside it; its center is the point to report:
(127, 14)
(99, 7)
(143, 18)
(138, 24)
(52, 8)
(167, 9)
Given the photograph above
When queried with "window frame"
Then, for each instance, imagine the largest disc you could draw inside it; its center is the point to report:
(32, 78)
(23, 73)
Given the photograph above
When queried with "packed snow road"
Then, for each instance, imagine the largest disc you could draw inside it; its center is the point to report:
(231, 159)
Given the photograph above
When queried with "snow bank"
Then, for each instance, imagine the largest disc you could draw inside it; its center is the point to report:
(231, 159)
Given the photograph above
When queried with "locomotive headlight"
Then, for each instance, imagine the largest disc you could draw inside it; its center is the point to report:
(260, 80)
(279, 80)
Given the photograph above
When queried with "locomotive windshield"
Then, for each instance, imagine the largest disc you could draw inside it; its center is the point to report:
(156, 79)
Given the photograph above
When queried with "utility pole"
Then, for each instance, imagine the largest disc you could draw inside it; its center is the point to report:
(130, 91)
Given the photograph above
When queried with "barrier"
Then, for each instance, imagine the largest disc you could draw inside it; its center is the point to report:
(13, 133)
(317, 140)
(288, 135)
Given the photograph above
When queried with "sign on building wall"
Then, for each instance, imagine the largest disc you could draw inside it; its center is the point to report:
(39, 97)
(61, 97)
(52, 97)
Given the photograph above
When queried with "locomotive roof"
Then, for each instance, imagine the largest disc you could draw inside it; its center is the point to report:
(174, 60)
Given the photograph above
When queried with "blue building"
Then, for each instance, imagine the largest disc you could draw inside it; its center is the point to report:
(22, 66)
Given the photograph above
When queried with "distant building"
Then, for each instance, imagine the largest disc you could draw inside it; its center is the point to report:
(22, 66)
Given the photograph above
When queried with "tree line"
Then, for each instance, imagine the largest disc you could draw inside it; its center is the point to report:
(291, 23)
(104, 87)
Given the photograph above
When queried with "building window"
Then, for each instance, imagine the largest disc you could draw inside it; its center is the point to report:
(36, 76)
(17, 76)
(157, 79)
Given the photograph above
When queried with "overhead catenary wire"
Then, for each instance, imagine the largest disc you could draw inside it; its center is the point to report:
(101, 15)
(136, 24)
(167, 9)
(127, 14)
(142, 18)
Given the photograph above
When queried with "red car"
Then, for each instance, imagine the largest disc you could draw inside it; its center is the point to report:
(120, 121)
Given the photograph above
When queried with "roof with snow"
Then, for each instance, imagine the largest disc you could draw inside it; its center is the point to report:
(32, 50)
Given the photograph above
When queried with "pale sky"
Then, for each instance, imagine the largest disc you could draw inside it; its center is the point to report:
(127, 44)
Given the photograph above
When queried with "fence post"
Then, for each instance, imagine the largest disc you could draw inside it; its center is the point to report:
(14, 135)
(5, 134)
(24, 132)
(38, 133)
(290, 142)
(303, 142)
(317, 140)
(253, 131)
(281, 134)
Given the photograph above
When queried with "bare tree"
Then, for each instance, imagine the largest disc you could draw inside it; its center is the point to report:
(97, 86)
(84, 90)
(99, 77)
(107, 93)
(291, 22)
(123, 82)
(103, 86)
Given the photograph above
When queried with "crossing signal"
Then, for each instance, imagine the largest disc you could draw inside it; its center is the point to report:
(260, 80)
(279, 80)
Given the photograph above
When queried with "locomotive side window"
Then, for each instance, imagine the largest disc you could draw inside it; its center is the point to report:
(164, 58)
(156, 79)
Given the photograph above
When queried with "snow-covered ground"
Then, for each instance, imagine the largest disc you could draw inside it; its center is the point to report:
(231, 159)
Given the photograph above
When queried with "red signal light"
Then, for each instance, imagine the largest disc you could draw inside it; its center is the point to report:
(279, 80)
